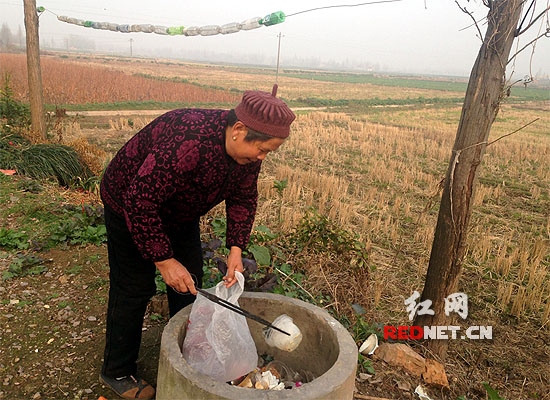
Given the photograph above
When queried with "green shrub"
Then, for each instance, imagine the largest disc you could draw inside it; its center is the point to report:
(320, 234)
(81, 226)
(11, 239)
(16, 113)
(24, 265)
(11, 143)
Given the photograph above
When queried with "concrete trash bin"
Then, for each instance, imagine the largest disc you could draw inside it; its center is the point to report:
(327, 350)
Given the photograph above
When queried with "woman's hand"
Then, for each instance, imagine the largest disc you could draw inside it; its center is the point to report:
(234, 263)
(176, 275)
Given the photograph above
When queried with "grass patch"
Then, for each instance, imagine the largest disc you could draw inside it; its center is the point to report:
(361, 103)
(24, 265)
(44, 222)
(64, 304)
(77, 269)
(52, 296)
(381, 80)
(98, 283)
(522, 94)
(43, 161)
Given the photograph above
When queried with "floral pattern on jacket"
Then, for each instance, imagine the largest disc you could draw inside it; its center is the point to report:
(175, 170)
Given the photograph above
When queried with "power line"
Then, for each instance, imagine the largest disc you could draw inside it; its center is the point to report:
(343, 5)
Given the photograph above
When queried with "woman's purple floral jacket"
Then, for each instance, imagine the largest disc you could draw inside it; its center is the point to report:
(175, 170)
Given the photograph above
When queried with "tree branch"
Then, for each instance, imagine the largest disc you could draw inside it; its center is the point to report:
(457, 154)
(547, 34)
(525, 81)
(463, 9)
(497, 139)
(511, 133)
(296, 283)
(469, 26)
(365, 397)
(533, 21)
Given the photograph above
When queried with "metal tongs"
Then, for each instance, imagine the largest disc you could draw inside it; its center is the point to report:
(238, 310)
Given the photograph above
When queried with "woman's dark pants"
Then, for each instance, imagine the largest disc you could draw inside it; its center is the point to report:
(132, 284)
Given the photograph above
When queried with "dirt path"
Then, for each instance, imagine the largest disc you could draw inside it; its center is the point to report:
(123, 113)
(116, 113)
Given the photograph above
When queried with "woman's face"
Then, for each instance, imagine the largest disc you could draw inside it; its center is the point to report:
(244, 152)
(249, 152)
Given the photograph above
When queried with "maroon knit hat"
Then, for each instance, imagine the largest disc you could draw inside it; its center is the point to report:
(265, 113)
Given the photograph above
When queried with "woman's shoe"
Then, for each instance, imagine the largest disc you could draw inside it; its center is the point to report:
(129, 387)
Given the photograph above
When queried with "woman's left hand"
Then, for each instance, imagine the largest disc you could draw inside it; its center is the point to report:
(234, 263)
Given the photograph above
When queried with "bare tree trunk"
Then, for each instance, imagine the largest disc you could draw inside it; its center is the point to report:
(481, 105)
(36, 94)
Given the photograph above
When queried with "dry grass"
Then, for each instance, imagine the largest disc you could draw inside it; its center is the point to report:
(125, 124)
(382, 182)
(67, 82)
(92, 155)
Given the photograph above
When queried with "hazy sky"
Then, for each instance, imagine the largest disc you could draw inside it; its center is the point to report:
(419, 36)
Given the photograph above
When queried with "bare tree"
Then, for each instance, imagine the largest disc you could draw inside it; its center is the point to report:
(36, 95)
(486, 89)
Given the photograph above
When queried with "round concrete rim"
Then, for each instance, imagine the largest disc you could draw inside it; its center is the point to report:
(334, 377)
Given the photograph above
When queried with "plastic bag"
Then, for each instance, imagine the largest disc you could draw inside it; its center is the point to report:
(218, 342)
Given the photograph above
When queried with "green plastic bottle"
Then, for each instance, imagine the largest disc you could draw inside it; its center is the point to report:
(274, 18)
(175, 30)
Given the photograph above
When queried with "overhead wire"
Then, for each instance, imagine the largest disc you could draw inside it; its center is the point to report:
(343, 5)
(533, 2)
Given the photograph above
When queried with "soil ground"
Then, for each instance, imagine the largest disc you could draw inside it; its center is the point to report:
(53, 329)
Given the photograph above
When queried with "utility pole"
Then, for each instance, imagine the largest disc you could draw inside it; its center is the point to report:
(20, 36)
(278, 55)
(36, 94)
(131, 41)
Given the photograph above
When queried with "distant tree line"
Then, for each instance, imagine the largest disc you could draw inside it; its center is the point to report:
(9, 40)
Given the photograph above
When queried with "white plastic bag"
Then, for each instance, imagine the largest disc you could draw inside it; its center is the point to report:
(218, 342)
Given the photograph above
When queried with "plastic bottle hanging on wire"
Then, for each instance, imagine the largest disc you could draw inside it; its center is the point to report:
(207, 30)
